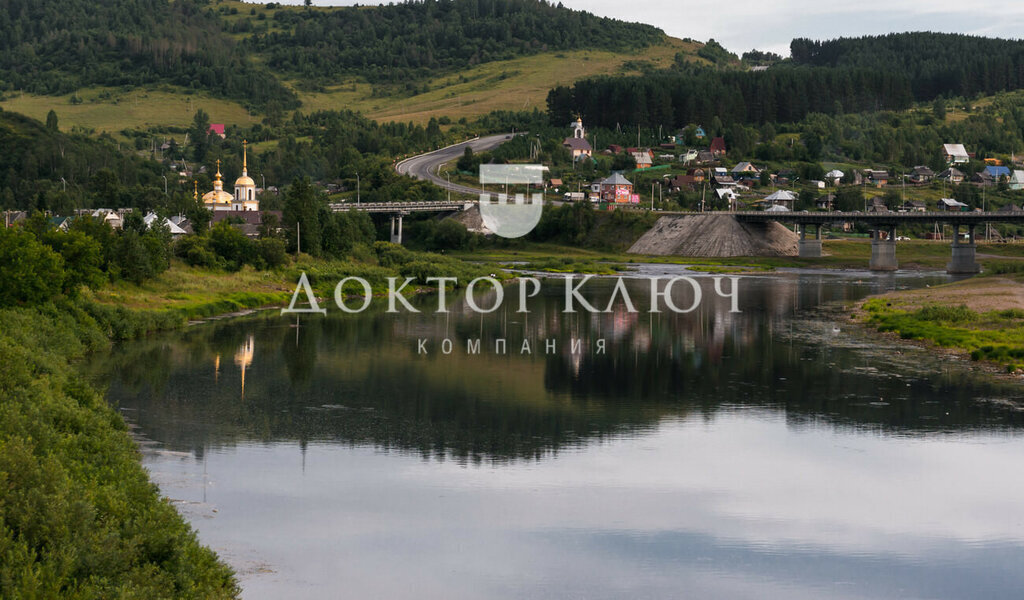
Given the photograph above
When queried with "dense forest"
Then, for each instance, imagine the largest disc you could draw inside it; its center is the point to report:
(59, 46)
(832, 77)
(412, 39)
(699, 95)
(934, 63)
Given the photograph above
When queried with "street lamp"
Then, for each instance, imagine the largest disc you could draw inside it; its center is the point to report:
(357, 188)
(165, 184)
(448, 175)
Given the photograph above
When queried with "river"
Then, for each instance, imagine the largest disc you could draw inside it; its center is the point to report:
(776, 452)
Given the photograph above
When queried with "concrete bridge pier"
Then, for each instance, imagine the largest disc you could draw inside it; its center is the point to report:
(809, 248)
(396, 238)
(963, 261)
(883, 252)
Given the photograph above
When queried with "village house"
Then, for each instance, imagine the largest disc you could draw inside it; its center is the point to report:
(834, 177)
(248, 222)
(13, 217)
(952, 175)
(921, 174)
(717, 148)
(643, 160)
(1017, 180)
(577, 144)
(217, 129)
(992, 175)
(721, 177)
(616, 189)
(955, 154)
(826, 202)
(876, 177)
(682, 183)
(783, 198)
(913, 206)
(745, 170)
(951, 205)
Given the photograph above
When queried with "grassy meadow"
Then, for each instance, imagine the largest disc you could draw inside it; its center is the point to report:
(113, 109)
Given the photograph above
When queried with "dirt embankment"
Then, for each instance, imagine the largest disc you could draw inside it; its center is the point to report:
(715, 236)
(980, 294)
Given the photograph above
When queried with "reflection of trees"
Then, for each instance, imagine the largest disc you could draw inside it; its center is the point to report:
(357, 379)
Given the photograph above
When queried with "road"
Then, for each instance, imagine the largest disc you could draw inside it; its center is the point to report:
(424, 166)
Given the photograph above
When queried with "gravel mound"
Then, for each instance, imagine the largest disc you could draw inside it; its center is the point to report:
(716, 236)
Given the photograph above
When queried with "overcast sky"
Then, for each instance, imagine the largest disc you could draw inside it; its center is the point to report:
(741, 25)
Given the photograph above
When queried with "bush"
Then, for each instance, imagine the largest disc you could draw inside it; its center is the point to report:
(30, 272)
(271, 253)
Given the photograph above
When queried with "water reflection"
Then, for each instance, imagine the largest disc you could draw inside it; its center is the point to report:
(765, 453)
(362, 380)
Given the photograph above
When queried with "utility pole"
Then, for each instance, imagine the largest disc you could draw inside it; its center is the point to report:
(165, 184)
(298, 239)
(448, 175)
(357, 189)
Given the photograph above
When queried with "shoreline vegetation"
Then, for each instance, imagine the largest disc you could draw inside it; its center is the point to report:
(981, 318)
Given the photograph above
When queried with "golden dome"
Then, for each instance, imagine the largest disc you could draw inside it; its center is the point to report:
(245, 181)
(217, 197)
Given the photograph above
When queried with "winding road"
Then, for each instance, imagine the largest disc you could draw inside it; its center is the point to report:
(425, 166)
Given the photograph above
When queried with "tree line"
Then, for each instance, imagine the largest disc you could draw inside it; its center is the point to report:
(935, 64)
(698, 95)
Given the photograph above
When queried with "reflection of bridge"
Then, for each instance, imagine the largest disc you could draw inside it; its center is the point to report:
(397, 210)
(883, 248)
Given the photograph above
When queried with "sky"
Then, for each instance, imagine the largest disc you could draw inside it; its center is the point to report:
(742, 25)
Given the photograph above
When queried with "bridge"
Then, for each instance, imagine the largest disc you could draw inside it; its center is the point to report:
(397, 210)
(883, 247)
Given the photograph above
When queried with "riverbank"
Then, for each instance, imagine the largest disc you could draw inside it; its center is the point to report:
(981, 318)
(79, 517)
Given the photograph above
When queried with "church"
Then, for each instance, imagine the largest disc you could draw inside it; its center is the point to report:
(244, 198)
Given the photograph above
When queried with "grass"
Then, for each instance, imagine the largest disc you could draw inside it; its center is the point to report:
(194, 293)
(188, 293)
(517, 84)
(569, 265)
(114, 109)
(996, 336)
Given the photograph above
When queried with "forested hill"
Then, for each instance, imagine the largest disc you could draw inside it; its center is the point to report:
(244, 51)
(415, 39)
(36, 157)
(59, 46)
(935, 63)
